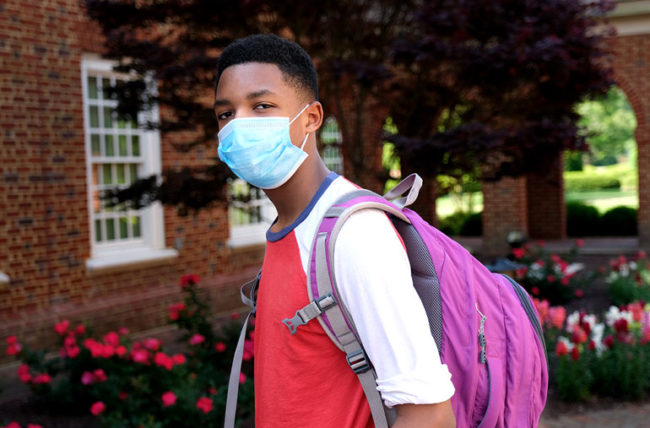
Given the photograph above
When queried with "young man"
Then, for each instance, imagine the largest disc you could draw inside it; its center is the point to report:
(267, 107)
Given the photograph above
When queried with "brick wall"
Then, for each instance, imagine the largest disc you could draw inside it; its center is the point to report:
(631, 56)
(546, 206)
(504, 210)
(44, 225)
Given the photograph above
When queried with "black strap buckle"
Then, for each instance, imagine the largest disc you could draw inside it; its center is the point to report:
(358, 361)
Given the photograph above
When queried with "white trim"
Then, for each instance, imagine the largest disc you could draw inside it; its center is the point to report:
(151, 243)
(631, 17)
(4, 278)
(129, 258)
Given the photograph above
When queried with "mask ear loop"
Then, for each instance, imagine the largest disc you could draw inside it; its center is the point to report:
(296, 117)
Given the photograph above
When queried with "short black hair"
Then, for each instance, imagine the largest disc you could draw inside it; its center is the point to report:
(292, 60)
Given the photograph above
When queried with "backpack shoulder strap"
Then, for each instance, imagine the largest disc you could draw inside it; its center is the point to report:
(248, 296)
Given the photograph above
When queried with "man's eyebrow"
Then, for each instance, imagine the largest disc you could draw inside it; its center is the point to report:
(249, 96)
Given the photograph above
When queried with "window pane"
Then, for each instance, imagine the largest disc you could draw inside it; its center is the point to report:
(108, 117)
(94, 117)
(98, 230)
(92, 88)
(94, 145)
(121, 176)
(109, 149)
(135, 221)
(134, 124)
(124, 228)
(136, 145)
(122, 143)
(110, 229)
(106, 84)
(134, 172)
(108, 174)
(121, 123)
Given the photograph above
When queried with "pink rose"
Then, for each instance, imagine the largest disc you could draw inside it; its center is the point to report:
(87, 378)
(204, 404)
(169, 399)
(220, 347)
(97, 408)
(62, 327)
(197, 339)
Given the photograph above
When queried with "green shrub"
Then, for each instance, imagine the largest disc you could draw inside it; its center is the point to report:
(584, 181)
(472, 226)
(452, 224)
(619, 221)
(582, 219)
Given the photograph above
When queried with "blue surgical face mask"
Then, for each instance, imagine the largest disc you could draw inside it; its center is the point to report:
(259, 150)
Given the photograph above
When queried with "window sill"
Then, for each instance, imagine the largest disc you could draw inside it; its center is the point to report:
(245, 242)
(4, 278)
(128, 259)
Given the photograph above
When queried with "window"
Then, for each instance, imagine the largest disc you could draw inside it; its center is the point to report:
(330, 138)
(117, 153)
(250, 214)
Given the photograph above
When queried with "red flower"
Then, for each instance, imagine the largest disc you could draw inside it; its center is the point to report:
(609, 341)
(249, 348)
(175, 309)
(163, 360)
(123, 395)
(579, 335)
(120, 351)
(220, 347)
(81, 329)
(96, 349)
(189, 279)
(151, 343)
(87, 378)
(169, 399)
(645, 334)
(234, 315)
(42, 378)
(565, 280)
(579, 293)
(212, 390)
(99, 375)
(13, 347)
(62, 327)
(575, 353)
(580, 243)
(520, 273)
(197, 339)
(592, 345)
(550, 278)
(123, 331)
(140, 356)
(97, 408)
(621, 325)
(13, 425)
(179, 359)
(204, 404)
(112, 338)
(518, 253)
(535, 291)
(557, 314)
(561, 349)
(107, 351)
(242, 378)
(23, 373)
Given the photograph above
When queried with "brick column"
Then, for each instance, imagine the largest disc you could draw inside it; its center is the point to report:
(546, 207)
(643, 143)
(505, 209)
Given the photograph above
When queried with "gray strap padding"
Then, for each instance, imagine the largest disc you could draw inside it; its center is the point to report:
(233, 383)
(412, 184)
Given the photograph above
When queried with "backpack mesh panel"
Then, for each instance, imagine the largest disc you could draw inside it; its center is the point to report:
(425, 279)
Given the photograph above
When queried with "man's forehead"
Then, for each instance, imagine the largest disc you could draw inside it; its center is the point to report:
(251, 77)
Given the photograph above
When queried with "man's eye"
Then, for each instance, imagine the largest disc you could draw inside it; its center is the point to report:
(223, 116)
(263, 106)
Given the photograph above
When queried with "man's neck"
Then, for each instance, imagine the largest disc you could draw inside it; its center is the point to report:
(292, 198)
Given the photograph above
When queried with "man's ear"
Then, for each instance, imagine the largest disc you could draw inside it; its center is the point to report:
(314, 115)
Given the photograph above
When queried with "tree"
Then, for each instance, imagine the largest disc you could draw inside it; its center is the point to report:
(178, 43)
(490, 85)
(610, 122)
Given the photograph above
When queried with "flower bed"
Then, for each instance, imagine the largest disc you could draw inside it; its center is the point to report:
(129, 383)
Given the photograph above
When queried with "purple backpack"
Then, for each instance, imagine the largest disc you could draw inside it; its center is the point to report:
(484, 324)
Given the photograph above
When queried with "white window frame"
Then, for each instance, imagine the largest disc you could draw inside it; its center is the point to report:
(331, 141)
(254, 233)
(151, 245)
